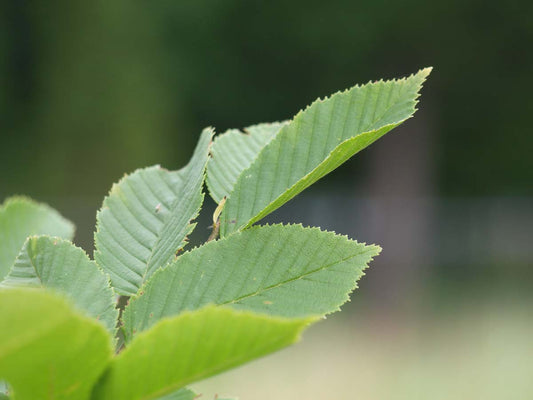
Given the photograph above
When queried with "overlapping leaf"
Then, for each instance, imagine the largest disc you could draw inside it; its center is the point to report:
(47, 349)
(21, 217)
(182, 394)
(289, 271)
(233, 152)
(146, 218)
(3, 391)
(57, 264)
(315, 142)
(191, 347)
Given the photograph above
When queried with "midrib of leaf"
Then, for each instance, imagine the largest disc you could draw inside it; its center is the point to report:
(242, 269)
(147, 217)
(174, 226)
(287, 281)
(29, 259)
(192, 346)
(308, 180)
(295, 173)
(158, 234)
(277, 285)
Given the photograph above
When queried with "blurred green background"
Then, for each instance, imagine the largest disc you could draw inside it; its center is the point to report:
(91, 90)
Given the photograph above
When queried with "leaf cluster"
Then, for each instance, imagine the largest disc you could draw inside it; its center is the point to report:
(189, 314)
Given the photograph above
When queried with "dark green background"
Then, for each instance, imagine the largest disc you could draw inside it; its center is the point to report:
(92, 90)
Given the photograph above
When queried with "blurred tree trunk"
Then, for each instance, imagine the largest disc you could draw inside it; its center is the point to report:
(400, 186)
(86, 100)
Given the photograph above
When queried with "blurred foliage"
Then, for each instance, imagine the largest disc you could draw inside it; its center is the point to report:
(95, 89)
(460, 348)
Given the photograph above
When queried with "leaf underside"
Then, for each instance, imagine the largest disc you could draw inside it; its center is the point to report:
(182, 394)
(47, 349)
(193, 346)
(146, 218)
(315, 142)
(233, 152)
(4, 389)
(21, 217)
(288, 271)
(57, 264)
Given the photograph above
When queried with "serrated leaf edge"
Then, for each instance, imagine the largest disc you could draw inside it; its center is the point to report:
(43, 287)
(424, 72)
(23, 199)
(303, 322)
(374, 247)
(191, 225)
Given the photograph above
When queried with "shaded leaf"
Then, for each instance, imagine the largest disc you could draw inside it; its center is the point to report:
(193, 346)
(315, 142)
(234, 151)
(57, 264)
(289, 271)
(146, 218)
(21, 217)
(47, 349)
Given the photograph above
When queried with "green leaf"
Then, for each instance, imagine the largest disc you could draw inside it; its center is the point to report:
(191, 347)
(288, 271)
(47, 349)
(21, 217)
(57, 264)
(315, 142)
(4, 391)
(233, 152)
(146, 218)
